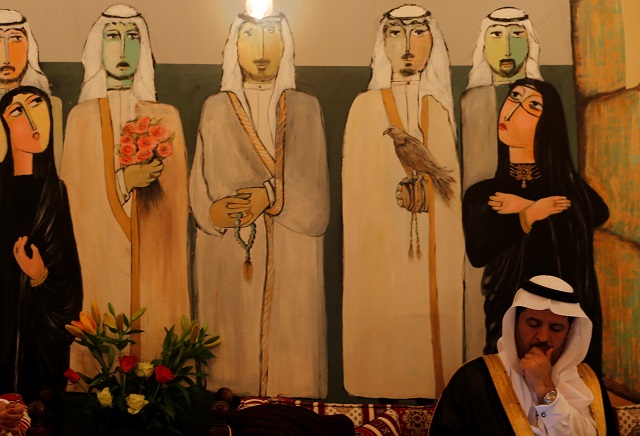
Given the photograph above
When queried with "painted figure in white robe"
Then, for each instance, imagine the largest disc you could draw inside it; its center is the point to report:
(506, 50)
(133, 253)
(259, 192)
(402, 316)
(20, 65)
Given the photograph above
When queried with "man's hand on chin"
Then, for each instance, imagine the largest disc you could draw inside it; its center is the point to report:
(536, 370)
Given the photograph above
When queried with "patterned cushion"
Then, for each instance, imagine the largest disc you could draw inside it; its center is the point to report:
(413, 420)
(386, 424)
(628, 420)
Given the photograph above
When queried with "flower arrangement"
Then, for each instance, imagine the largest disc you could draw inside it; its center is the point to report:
(144, 140)
(132, 397)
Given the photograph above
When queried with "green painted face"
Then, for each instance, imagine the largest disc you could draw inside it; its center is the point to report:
(120, 52)
(506, 49)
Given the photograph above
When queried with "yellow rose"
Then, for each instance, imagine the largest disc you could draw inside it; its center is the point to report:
(105, 398)
(135, 403)
(144, 369)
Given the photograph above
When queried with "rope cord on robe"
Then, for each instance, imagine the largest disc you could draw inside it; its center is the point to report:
(129, 225)
(508, 397)
(394, 117)
(597, 407)
(276, 169)
(136, 349)
(109, 168)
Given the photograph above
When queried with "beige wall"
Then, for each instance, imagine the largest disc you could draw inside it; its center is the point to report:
(327, 32)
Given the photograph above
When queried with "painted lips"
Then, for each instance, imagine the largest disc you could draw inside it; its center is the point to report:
(502, 126)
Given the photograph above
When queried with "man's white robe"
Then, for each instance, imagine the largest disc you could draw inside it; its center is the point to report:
(225, 161)
(387, 335)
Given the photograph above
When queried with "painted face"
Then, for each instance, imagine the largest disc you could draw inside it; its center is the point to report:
(13, 55)
(519, 117)
(506, 49)
(29, 123)
(121, 50)
(543, 329)
(408, 46)
(260, 50)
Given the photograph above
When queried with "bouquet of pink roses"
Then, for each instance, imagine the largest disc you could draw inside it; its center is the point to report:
(132, 397)
(143, 140)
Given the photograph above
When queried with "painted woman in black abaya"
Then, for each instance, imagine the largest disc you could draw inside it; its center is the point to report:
(537, 215)
(40, 282)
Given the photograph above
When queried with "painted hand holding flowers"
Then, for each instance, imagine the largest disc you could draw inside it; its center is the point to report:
(132, 397)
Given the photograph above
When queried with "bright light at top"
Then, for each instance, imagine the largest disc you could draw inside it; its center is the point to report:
(259, 9)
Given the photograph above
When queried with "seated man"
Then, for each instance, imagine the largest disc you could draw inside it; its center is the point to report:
(536, 384)
(14, 419)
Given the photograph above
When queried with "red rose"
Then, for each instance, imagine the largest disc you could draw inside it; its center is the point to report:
(159, 132)
(144, 155)
(165, 149)
(163, 374)
(129, 128)
(127, 363)
(127, 149)
(142, 124)
(146, 143)
(72, 376)
(128, 160)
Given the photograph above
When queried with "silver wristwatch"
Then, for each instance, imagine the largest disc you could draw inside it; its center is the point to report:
(550, 397)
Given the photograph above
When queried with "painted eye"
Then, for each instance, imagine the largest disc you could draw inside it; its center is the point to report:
(517, 33)
(535, 105)
(16, 112)
(16, 38)
(515, 96)
(248, 32)
(271, 30)
(496, 34)
(112, 35)
(35, 102)
(133, 35)
(394, 33)
(419, 32)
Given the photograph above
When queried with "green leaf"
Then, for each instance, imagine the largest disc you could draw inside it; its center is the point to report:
(111, 309)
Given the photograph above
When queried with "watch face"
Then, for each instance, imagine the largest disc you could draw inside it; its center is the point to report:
(550, 397)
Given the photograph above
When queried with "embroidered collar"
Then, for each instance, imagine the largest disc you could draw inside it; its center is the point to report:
(524, 172)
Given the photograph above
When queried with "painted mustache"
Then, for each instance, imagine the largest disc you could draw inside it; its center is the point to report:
(7, 68)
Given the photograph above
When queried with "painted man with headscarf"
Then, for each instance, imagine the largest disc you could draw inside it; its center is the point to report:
(20, 65)
(403, 242)
(507, 49)
(259, 192)
(130, 221)
(536, 384)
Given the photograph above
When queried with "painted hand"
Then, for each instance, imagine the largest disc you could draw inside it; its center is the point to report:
(230, 211)
(547, 206)
(32, 266)
(536, 370)
(258, 201)
(141, 175)
(508, 203)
